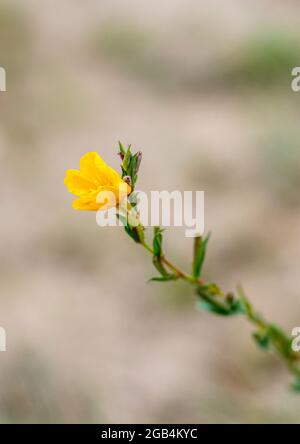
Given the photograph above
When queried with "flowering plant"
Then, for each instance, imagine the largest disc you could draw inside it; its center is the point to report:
(95, 178)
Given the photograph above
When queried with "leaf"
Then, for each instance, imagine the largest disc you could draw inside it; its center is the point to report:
(280, 340)
(236, 307)
(126, 161)
(212, 308)
(132, 232)
(122, 218)
(200, 245)
(157, 258)
(159, 266)
(141, 233)
(165, 275)
(132, 166)
(262, 339)
(170, 277)
(274, 337)
(211, 303)
(122, 150)
(219, 309)
(296, 384)
(247, 307)
(157, 242)
(136, 233)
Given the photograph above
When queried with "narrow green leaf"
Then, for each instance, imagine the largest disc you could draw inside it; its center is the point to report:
(132, 232)
(133, 166)
(262, 339)
(136, 233)
(122, 150)
(127, 159)
(236, 307)
(159, 266)
(157, 242)
(280, 340)
(140, 231)
(296, 385)
(220, 310)
(200, 245)
(213, 303)
(122, 218)
(212, 308)
(170, 277)
(165, 275)
(157, 258)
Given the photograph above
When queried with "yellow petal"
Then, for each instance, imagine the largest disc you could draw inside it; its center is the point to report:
(103, 198)
(93, 167)
(77, 183)
(97, 171)
(113, 177)
(109, 196)
(94, 177)
(87, 202)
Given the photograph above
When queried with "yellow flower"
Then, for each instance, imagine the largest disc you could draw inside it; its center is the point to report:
(97, 186)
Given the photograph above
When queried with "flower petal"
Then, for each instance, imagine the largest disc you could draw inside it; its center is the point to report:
(77, 184)
(97, 171)
(103, 198)
(88, 202)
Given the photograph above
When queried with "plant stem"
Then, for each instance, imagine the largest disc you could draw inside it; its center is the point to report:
(267, 335)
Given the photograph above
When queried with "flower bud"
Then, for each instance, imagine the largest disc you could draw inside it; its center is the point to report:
(127, 179)
(121, 155)
(139, 156)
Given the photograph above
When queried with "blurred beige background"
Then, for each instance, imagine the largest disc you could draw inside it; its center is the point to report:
(203, 89)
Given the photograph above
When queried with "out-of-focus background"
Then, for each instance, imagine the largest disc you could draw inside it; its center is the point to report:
(203, 89)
